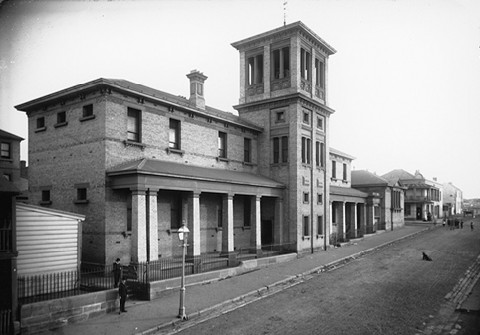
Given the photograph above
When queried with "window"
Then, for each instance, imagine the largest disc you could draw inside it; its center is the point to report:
(41, 122)
(306, 150)
(280, 149)
(317, 153)
(320, 122)
(281, 63)
(306, 197)
(276, 150)
(5, 150)
(255, 70)
(247, 211)
(344, 171)
(129, 212)
(319, 198)
(176, 211)
(280, 117)
(81, 194)
(306, 225)
(174, 135)
(7, 176)
(46, 197)
(334, 170)
(222, 144)
(247, 150)
(306, 118)
(320, 224)
(320, 73)
(133, 125)
(61, 117)
(284, 149)
(87, 110)
(305, 64)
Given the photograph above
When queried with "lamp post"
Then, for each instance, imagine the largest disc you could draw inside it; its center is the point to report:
(183, 236)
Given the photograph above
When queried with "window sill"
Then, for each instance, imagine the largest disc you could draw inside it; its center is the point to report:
(58, 125)
(221, 159)
(80, 202)
(134, 144)
(5, 159)
(40, 129)
(246, 228)
(43, 203)
(306, 238)
(175, 151)
(86, 118)
(248, 164)
(320, 236)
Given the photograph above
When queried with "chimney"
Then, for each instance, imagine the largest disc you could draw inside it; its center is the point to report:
(197, 79)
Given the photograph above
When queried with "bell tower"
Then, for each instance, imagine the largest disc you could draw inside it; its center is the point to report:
(284, 90)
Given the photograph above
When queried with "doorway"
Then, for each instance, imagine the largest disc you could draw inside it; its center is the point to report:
(267, 232)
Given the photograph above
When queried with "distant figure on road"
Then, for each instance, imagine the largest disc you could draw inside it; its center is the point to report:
(426, 257)
(122, 292)
(471, 225)
(443, 222)
(461, 224)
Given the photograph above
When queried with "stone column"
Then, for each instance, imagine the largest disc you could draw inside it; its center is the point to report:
(139, 231)
(355, 223)
(152, 217)
(256, 232)
(278, 221)
(342, 223)
(227, 229)
(193, 222)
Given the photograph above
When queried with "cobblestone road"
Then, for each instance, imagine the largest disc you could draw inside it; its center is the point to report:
(391, 291)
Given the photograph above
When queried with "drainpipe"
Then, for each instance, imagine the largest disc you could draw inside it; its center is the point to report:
(325, 192)
(391, 209)
(311, 182)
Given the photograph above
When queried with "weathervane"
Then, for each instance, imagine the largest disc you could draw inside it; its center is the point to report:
(285, 12)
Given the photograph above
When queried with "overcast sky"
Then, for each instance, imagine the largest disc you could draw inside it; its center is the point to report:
(404, 83)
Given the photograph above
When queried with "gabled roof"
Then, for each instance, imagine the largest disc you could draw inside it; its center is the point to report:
(10, 136)
(365, 178)
(185, 171)
(139, 91)
(50, 211)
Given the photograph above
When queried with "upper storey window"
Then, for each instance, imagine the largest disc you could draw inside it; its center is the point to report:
(281, 63)
(320, 73)
(305, 64)
(133, 125)
(255, 70)
(174, 134)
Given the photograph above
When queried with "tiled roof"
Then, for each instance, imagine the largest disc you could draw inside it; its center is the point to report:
(336, 190)
(398, 174)
(364, 178)
(141, 90)
(10, 136)
(6, 186)
(185, 171)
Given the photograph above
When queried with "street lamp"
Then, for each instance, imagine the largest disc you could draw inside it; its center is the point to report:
(183, 236)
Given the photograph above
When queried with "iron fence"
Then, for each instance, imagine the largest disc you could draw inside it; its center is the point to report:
(93, 277)
(6, 322)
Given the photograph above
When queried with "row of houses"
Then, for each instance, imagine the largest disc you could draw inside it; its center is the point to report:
(135, 163)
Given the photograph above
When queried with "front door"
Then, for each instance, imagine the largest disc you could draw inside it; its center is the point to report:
(267, 232)
(419, 213)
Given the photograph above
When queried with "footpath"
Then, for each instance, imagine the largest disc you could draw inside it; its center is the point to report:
(207, 300)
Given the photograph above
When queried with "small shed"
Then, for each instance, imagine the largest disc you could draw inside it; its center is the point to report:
(48, 240)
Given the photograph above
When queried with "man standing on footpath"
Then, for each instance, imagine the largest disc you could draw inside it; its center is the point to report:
(122, 292)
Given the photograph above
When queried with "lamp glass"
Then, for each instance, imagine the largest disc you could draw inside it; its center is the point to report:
(182, 232)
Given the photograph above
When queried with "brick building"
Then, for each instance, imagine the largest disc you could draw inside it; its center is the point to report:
(139, 162)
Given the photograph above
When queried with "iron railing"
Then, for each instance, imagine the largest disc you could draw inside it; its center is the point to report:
(6, 327)
(100, 277)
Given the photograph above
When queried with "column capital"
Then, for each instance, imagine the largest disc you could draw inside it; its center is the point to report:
(194, 194)
(138, 191)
